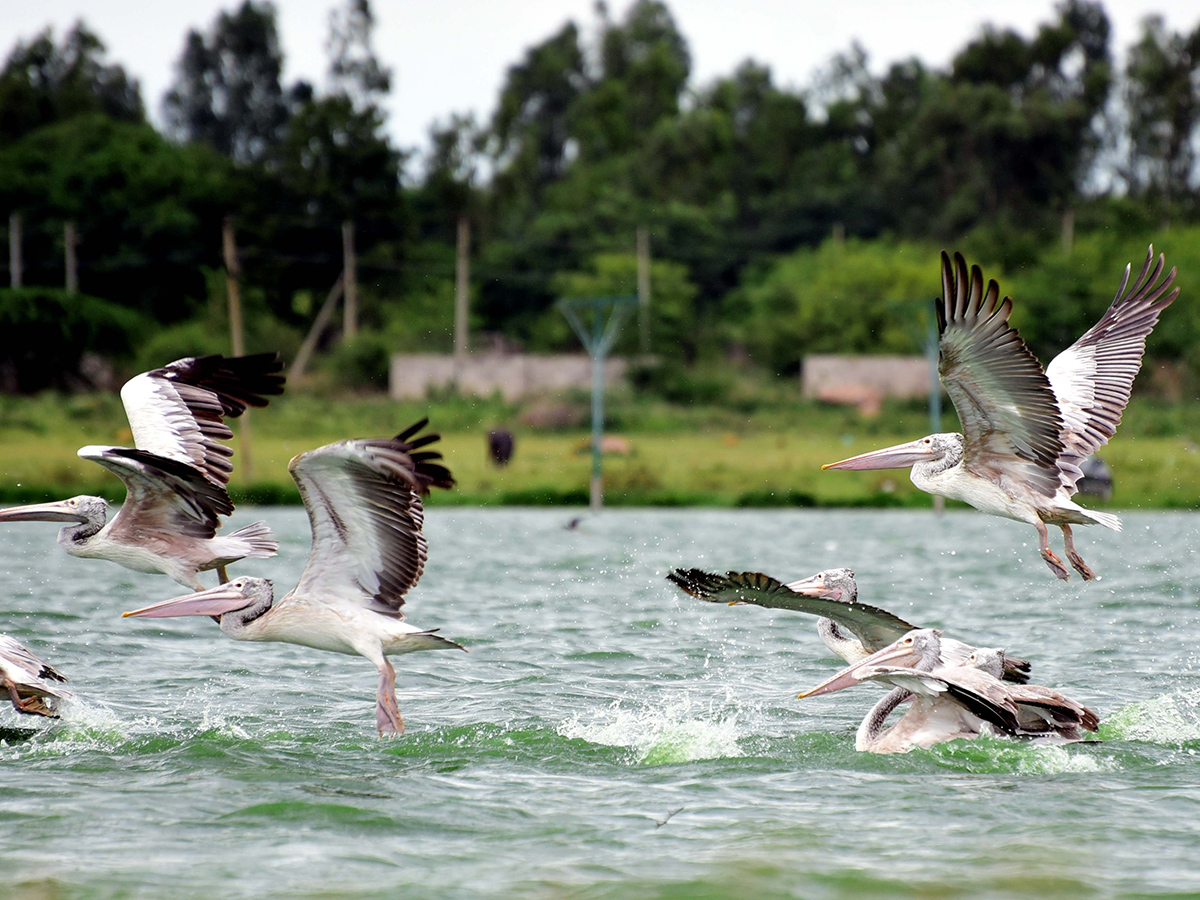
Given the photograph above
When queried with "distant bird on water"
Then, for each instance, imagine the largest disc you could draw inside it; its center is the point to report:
(26, 680)
(175, 477)
(952, 701)
(850, 629)
(364, 505)
(1025, 431)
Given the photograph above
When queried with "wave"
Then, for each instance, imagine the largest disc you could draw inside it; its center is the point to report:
(676, 731)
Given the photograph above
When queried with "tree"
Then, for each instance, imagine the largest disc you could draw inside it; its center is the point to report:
(43, 83)
(354, 70)
(1164, 109)
(227, 90)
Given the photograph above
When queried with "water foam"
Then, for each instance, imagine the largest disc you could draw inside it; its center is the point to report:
(1171, 719)
(676, 731)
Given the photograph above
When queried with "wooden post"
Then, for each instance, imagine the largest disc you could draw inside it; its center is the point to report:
(349, 283)
(462, 284)
(1068, 229)
(233, 291)
(70, 242)
(320, 323)
(643, 286)
(14, 250)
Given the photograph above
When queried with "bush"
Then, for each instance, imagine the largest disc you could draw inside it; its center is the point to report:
(44, 333)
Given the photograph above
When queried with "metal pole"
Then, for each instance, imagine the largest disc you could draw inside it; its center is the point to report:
(643, 287)
(14, 250)
(462, 283)
(349, 283)
(598, 353)
(70, 242)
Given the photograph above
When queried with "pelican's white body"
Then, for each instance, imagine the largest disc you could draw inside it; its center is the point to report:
(932, 719)
(1008, 499)
(337, 626)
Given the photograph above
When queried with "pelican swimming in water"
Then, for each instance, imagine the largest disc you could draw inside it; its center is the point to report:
(850, 629)
(364, 506)
(175, 477)
(1025, 431)
(951, 701)
(25, 680)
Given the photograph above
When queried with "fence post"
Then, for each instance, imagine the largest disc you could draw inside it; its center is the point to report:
(349, 283)
(14, 250)
(70, 242)
(643, 287)
(462, 284)
(233, 291)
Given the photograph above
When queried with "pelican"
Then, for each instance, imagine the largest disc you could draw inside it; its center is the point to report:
(832, 596)
(1025, 431)
(175, 476)
(26, 680)
(951, 701)
(363, 500)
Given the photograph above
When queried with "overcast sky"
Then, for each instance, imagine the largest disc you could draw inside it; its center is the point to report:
(451, 55)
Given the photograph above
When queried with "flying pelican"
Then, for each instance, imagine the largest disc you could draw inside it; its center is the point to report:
(175, 477)
(25, 679)
(364, 506)
(952, 701)
(1025, 431)
(832, 596)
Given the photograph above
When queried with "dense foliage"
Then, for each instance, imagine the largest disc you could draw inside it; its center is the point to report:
(782, 221)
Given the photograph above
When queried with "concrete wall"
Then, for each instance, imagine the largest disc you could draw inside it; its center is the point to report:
(514, 375)
(853, 379)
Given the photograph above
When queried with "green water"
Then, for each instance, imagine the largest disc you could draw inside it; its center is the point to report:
(595, 701)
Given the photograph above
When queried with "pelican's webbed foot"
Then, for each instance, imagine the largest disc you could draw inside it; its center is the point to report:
(1055, 564)
(1073, 556)
(387, 713)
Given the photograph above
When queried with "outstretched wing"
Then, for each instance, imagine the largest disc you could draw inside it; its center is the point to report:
(178, 412)
(162, 495)
(1055, 709)
(875, 628)
(1011, 423)
(16, 656)
(985, 696)
(364, 504)
(1093, 378)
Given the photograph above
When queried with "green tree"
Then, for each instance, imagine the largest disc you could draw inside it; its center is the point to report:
(227, 91)
(43, 83)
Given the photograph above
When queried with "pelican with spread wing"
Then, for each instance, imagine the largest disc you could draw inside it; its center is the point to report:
(851, 629)
(1026, 431)
(175, 475)
(27, 680)
(952, 701)
(364, 506)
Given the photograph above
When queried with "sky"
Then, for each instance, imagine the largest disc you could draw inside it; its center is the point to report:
(451, 56)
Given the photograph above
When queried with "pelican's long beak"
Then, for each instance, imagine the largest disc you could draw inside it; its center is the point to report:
(215, 602)
(897, 654)
(814, 587)
(899, 457)
(43, 512)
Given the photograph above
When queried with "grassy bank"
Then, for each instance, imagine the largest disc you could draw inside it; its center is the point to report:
(757, 454)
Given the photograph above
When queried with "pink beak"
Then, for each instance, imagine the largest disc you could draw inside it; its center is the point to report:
(42, 512)
(215, 602)
(899, 457)
(815, 587)
(897, 654)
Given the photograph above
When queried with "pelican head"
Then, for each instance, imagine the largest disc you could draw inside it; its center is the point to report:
(919, 649)
(831, 584)
(988, 659)
(234, 604)
(942, 450)
(85, 514)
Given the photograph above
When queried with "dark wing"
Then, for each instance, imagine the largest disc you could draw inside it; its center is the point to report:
(162, 495)
(1056, 710)
(1093, 378)
(1010, 419)
(985, 696)
(875, 628)
(364, 504)
(178, 412)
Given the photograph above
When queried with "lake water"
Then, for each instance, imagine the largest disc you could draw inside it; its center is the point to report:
(596, 700)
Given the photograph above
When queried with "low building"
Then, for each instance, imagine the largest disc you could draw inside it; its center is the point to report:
(513, 375)
(863, 381)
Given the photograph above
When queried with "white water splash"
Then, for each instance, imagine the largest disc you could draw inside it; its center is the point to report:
(1055, 759)
(672, 732)
(1170, 719)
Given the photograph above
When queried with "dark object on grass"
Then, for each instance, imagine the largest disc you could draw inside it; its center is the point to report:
(501, 444)
(1097, 478)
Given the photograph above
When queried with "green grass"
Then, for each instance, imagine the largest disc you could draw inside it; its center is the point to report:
(753, 452)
